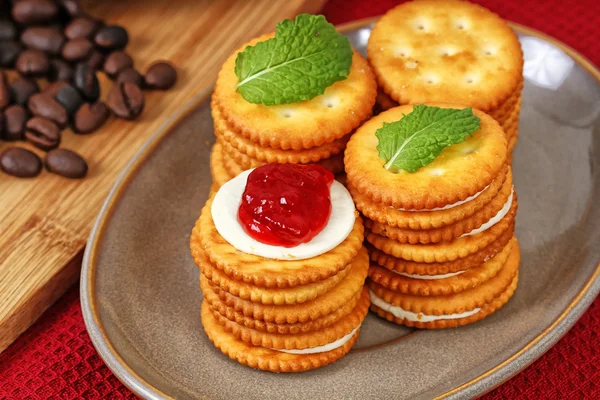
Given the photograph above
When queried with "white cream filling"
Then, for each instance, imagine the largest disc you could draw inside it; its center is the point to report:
(411, 316)
(448, 206)
(430, 277)
(224, 212)
(495, 219)
(322, 349)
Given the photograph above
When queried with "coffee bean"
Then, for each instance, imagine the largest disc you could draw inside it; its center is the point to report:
(77, 49)
(15, 117)
(21, 89)
(72, 7)
(43, 105)
(42, 133)
(9, 52)
(116, 62)
(60, 70)
(112, 37)
(130, 75)
(161, 75)
(85, 80)
(69, 98)
(90, 117)
(29, 12)
(49, 40)
(53, 88)
(95, 60)
(8, 30)
(66, 163)
(126, 100)
(20, 162)
(82, 28)
(5, 96)
(32, 63)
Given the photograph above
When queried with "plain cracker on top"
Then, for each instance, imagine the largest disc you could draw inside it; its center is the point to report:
(266, 359)
(445, 51)
(461, 171)
(332, 115)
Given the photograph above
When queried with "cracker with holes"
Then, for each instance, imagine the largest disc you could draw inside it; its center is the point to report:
(447, 51)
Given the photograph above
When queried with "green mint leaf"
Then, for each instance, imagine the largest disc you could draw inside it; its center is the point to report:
(418, 138)
(306, 56)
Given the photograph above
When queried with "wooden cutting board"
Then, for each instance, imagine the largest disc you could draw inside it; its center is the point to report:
(45, 221)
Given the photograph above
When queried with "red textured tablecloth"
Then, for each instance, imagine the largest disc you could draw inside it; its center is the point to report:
(55, 359)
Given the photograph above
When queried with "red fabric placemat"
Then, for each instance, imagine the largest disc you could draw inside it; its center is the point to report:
(55, 359)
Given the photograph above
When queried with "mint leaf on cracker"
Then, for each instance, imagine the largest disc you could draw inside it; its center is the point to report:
(306, 56)
(421, 135)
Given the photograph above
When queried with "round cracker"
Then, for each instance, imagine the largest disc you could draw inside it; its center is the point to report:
(469, 279)
(312, 310)
(266, 272)
(448, 232)
(486, 310)
(332, 115)
(266, 359)
(451, 51)
(300, 341)
(464, 301)
(461, 171)
(217, 168)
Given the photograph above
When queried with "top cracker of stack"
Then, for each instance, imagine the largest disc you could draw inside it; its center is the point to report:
(452, 52)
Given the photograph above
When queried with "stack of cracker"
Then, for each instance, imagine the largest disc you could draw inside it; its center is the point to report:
(281, 315)
(451, 52)
(441, 239)
(312, 131)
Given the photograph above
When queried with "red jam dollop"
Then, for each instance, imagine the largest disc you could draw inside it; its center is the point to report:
(286, 204)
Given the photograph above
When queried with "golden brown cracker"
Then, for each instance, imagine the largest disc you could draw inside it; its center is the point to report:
(266, 359)
(464, 301)
(448, 232)
(299, 341)
(302, 125)
(260, 271)
(504, 110)
(412, 267)
(445, 51)
(461, 171)
(444, 251)
(312, 310)
(217, 168)
(469, 279)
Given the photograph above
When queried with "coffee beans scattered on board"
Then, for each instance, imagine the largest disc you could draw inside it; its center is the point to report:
(58, 51)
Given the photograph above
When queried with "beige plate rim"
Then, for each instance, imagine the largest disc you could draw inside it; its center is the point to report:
(476, 386)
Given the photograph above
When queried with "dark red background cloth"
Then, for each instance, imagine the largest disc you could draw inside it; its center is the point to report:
(55, 359)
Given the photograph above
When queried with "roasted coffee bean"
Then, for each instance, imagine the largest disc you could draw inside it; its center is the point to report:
(22, 88)
(116, 62)
(66, 163)
(9, 52)
(1, 125)
(60, 70)
(72, 7)
(30, 12)
(42, 133)
(20, 162)
(8, 30)
(33, 63)
(126, 100)
(69, 98)
(86, 81)
(90, 117)
(15, 117)
(95, 60)
(46, 106)
(77, 49)
(130, 75)
(82, 28)
(161, 75)
(5, 96)
(112, 37)
(49, 40)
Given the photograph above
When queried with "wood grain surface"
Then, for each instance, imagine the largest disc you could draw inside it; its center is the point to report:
(45, 221)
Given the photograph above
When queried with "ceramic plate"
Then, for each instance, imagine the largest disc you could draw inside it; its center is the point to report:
(141, 298)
